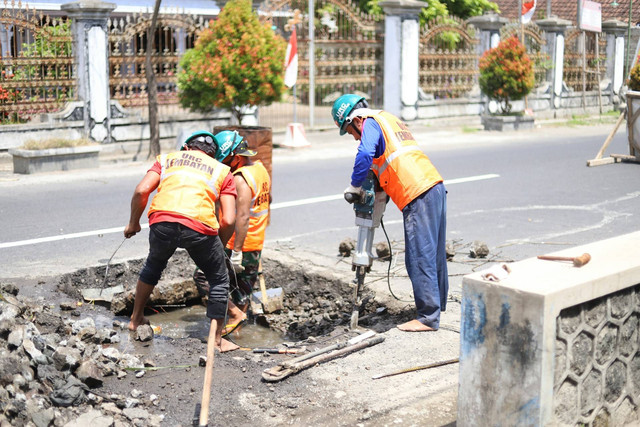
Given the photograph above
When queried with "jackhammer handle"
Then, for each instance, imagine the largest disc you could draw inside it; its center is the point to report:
(352, 198)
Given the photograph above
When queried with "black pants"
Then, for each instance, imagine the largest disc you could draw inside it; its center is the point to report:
(205, 250)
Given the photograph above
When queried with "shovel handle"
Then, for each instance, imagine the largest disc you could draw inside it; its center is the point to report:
(208, 374)
(263, 287)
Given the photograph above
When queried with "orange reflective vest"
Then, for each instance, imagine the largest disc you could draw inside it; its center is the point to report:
(190, 183)
(403, 170)
(257, 178)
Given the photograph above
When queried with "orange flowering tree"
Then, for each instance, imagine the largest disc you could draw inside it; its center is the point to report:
(506, 73)
(236, 62)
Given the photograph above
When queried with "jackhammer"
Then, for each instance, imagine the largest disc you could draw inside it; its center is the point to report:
(369, 207)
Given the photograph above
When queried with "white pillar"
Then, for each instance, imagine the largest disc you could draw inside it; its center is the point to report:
(90, 35)
(401, 51)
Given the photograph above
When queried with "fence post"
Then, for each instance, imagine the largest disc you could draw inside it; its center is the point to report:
(554, 29)
(89, 29)
(489, 26)
(401, 57)
(615, 32)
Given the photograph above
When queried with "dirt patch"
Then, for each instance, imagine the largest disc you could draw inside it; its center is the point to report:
(317, 310)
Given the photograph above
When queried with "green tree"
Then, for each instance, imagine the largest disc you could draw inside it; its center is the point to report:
(506, 73)
(434, 8)
(237, 61)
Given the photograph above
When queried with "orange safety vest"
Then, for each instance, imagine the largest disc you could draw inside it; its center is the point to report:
(259, 182)
(190, 183)
(403, 170)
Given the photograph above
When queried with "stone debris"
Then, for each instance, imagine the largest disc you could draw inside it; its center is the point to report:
(346, 246)
(144, 333)
(479, 249)
(382, 250)
(51, 368)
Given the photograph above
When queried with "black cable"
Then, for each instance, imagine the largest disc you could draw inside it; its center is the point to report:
(390, 259)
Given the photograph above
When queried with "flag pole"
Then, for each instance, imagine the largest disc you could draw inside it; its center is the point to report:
(295, 119)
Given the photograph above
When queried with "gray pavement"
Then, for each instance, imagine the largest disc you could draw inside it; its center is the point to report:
(427, 397)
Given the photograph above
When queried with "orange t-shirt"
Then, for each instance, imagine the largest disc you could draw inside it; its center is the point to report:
(228, 188)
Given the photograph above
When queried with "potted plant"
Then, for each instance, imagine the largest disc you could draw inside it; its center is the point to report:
(633, 105)
(236, 64)
(506, 75)
(54, 154)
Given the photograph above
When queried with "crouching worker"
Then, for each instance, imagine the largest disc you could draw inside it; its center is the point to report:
(183, 215)
(244, 248)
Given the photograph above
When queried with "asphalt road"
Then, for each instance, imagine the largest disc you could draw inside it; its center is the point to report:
(523, 193)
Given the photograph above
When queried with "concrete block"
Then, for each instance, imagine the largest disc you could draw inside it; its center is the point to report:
(553, 344)
(55, 159)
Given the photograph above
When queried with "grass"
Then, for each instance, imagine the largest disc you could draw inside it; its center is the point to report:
(469, 129)
(44, 144)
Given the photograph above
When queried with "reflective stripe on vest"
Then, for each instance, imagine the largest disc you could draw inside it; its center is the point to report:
(403, 170)
(190, 184)
(259, 182)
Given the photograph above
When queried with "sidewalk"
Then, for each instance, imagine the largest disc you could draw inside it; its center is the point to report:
(125, 158)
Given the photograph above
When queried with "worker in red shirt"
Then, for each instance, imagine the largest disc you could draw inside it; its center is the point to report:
(190, 183)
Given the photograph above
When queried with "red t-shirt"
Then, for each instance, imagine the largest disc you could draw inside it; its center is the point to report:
(228, 188)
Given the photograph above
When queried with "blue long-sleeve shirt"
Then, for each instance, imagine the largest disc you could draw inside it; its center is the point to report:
(372, 145)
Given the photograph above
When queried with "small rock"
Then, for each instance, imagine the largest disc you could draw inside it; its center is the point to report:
(144, 333)
(135, 393)
(450, 250)
(346, 246)
(140, 374)
(9, 288)
(89, 373)
(479, 249)
(66, 358)
(81, 324)
(93, 418)
(67, 306)
(382, 250)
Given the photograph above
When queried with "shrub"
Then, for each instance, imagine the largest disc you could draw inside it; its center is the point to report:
(506, 73)
(236, 62)
(634, 78)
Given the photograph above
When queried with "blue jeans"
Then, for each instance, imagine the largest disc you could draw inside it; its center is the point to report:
(425, 225)
(205, 250)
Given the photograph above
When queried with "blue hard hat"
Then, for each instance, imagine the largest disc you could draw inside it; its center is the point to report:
(199, 135)
(342, 108)
(230, 143)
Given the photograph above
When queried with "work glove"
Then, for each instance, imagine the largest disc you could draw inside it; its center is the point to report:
(236, 261)
(353, 194)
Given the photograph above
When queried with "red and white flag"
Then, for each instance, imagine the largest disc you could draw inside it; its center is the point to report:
(291, 61)
(528, 9)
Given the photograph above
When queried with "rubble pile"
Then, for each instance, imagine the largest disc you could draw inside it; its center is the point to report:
(52, 368)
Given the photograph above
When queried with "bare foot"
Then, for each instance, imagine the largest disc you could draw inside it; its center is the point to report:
(415, 326)
(226, 346)
(133, 324)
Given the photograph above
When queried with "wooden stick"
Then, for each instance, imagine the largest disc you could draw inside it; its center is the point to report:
(607, 141)
(208, 375)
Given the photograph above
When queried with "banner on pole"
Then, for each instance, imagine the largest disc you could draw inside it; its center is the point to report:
(528, 9)
(291, 61)
(591, 19)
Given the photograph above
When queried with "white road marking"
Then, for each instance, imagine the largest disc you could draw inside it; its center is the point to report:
(340, 196)
(274, 206)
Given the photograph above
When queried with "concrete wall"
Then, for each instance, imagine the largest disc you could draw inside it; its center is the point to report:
(597, 362)
(553, 344)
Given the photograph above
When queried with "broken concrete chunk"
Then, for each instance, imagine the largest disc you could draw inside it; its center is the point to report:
(382, 250)
(144, 333)
(450, 250)
(66, 358)
(479, 249)
(346, 246)
(89, 373)
(81, 324)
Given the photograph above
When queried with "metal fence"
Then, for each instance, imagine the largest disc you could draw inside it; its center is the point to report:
(37, 69)
(448, 58)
